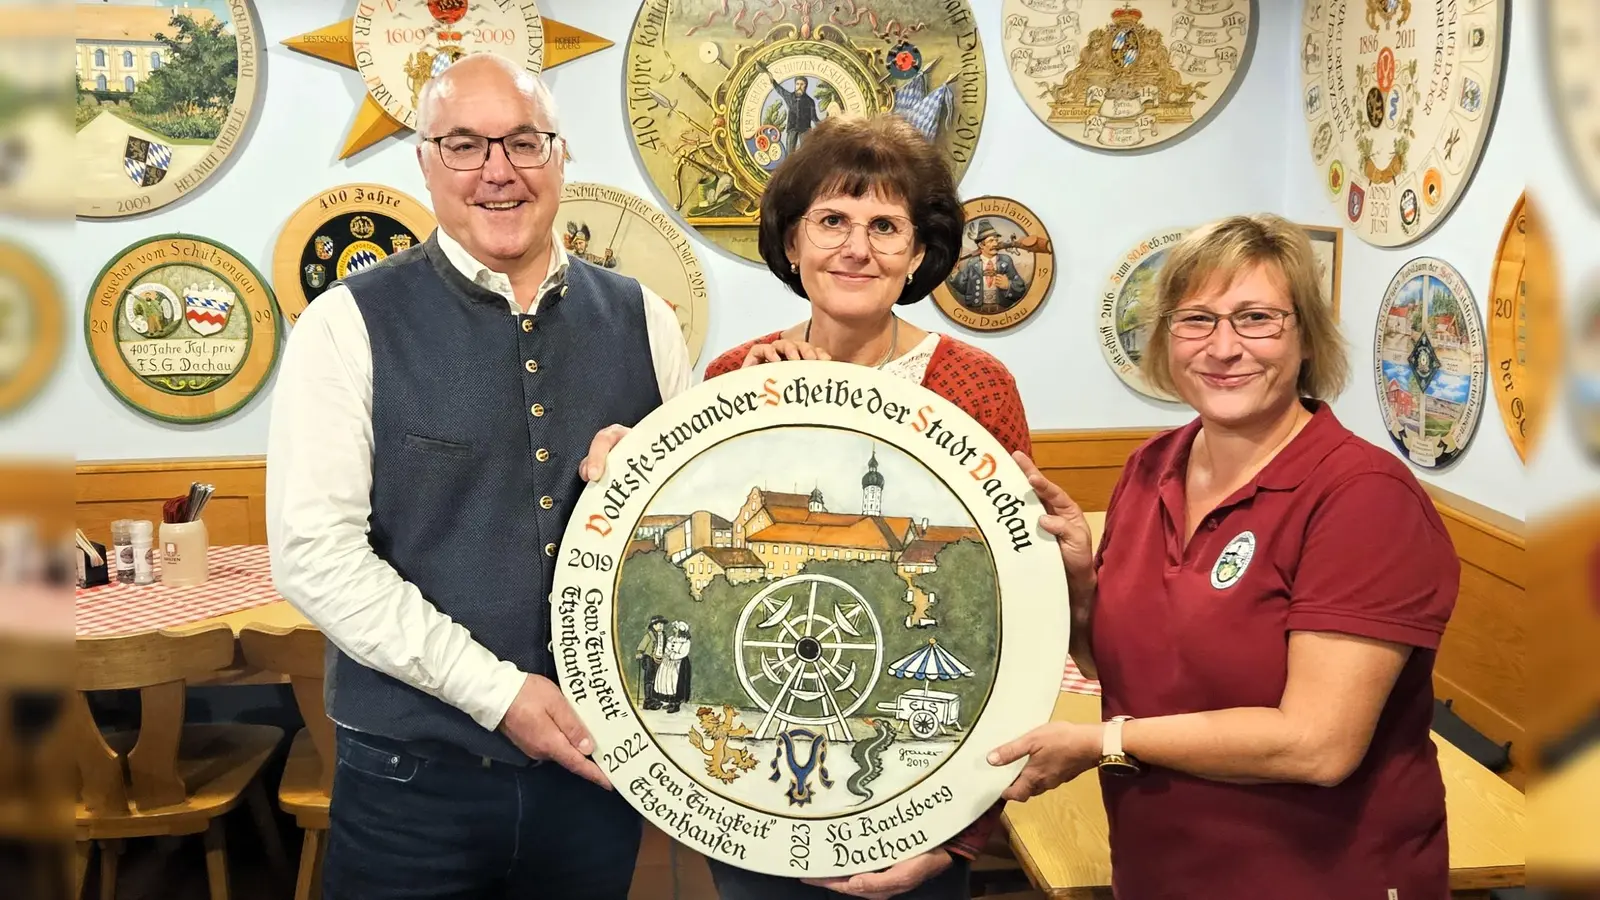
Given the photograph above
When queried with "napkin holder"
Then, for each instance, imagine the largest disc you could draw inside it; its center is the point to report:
(92, 562)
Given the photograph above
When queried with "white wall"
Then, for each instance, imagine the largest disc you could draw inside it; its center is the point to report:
(1252, 156)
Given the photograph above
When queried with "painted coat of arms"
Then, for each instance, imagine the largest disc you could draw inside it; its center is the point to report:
(182, 328)
(809, 621)
(1110, 75)
(718, 97)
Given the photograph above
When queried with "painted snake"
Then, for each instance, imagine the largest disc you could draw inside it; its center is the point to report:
(868, 755)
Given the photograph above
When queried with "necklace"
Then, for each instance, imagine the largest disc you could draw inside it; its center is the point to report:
(894, 338)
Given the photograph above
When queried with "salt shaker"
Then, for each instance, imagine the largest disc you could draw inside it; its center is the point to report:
(142, 536)
(122, 551)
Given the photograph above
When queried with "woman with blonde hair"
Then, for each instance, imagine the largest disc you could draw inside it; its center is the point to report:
(1262, 612)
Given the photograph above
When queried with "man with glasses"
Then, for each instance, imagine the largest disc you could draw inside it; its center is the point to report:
(427, 429)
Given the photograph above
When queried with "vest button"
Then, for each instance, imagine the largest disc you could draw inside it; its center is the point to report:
(549, 549)
(527, 323)
(546, 502)
(542, 455)
(531, 365)
(537, 409)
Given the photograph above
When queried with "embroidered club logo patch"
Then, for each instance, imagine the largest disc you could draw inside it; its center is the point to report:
(1235, 558)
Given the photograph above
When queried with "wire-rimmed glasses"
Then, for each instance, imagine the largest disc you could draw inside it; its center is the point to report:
(829, 230)
(524, 149)
(1251, 322)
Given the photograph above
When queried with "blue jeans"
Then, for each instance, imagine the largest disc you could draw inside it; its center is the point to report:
(409, 827)
(734, 883)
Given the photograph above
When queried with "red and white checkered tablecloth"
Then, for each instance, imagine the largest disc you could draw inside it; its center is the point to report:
(1072, 680)
(239, 578)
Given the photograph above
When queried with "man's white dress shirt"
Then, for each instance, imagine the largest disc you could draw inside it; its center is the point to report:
(319, 481)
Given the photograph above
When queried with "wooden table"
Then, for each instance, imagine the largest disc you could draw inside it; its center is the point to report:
(1061, 838)
(1564, 834)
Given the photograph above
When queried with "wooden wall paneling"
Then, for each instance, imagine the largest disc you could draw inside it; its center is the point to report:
(1481, 662)
(235, 514)
(1087, 464)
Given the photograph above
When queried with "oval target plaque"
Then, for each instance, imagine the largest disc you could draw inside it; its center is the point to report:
(1429, 362)
(618, 230)
(1520, 317)
(341, 231)
(806, 682)
(1006, 267)
(1398, 97)
(1115, 76)
(181, 328)
(1124, 307)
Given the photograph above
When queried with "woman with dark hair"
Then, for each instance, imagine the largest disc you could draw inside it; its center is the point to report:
(862, 218)
(865, 217)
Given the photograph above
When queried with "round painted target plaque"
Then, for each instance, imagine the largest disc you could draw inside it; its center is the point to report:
(799, 609)
(615, 229)
(1429, 362)
(401, 44)
(1124, 323)
(718, 97)
(1006, 267)
(164, 97)
(1121, 76)
(1398, 97)
(182, 328)
(1522, 316)
(340, 232)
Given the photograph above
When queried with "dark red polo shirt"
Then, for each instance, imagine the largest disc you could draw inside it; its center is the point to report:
(1335, 535)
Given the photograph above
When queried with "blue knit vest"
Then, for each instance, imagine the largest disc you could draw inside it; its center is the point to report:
(480, 417)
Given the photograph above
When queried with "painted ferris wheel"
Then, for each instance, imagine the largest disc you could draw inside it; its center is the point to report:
(808, 650)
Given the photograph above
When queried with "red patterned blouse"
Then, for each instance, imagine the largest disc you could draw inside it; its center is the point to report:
(982, 387)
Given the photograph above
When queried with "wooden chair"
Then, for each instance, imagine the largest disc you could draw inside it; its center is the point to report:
(307, 786)
(169, 778)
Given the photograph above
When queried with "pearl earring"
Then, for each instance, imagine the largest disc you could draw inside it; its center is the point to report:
(908, 278)
(793, 267)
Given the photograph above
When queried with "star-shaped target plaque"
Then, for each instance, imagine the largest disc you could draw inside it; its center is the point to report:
(397, 45)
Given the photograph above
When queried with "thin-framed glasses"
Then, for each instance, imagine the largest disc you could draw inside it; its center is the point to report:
(1252, 322)
(829, 230)
(525, 149)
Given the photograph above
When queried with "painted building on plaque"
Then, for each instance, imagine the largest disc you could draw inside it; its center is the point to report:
(775, 534)
(783, 619)
(1429, 363)
(1125, 320)
(163, 97)
(119, 46)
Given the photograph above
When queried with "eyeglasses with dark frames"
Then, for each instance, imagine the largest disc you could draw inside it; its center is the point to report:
(829, 229)
(465, 152)
(1251, 322)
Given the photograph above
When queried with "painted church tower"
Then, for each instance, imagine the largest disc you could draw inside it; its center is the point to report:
(872, 489)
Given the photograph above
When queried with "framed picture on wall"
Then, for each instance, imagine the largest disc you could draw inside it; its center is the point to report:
(1328, 243)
